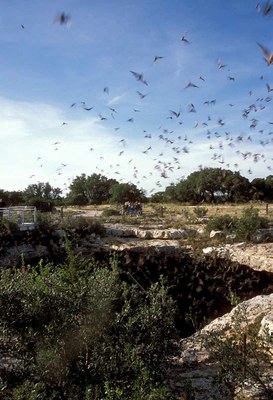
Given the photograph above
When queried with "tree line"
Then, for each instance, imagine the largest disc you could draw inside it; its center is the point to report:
(208, 185)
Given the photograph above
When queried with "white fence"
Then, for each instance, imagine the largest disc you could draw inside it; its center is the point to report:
(24, 216)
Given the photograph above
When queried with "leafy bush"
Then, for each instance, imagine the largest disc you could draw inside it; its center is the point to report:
(222, 222)
(78, 331)
(200, 212)
(249, 223)
(243, 227)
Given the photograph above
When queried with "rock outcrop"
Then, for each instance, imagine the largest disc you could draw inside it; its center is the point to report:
(257, 256)
(197, 366)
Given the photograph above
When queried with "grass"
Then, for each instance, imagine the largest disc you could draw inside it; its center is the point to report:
(173, 213)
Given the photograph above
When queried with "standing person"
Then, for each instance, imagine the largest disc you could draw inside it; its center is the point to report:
(140, 207)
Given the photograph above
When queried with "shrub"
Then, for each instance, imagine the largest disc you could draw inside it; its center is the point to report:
(78, 331)
(222, 222)
(243, 227)
(200, 212)
(249, 223)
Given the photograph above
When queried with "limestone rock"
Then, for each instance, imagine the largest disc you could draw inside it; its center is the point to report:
(267, 325)
(195, 361)
(257, 256)
(216, 234)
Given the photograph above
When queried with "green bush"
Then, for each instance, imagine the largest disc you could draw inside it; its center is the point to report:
(249, 223)
(200, 212)
(222, 222)
(78, 331)
(243, 227)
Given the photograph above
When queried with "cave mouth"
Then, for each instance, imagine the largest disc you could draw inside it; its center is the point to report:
(201, 285)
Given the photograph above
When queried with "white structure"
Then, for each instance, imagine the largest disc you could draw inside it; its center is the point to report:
(24, 216)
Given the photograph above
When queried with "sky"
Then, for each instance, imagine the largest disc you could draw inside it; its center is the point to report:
(144, 92)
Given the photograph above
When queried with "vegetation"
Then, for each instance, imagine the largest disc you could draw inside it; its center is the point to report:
(93, 189)
(208, 185)
(78, 331)
(216, 185)
(122, 192)
(244, 356)
(244, 227)
(84, 331)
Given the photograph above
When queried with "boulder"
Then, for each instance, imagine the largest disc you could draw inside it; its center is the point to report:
(196, 361)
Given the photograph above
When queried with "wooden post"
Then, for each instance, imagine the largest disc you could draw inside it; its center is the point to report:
(266, 208)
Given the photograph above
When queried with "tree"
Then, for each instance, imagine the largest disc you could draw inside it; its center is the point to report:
(81, 331)
(42, 195)
(211, 184)
(184, 191)
(42, 191)
(237, 188)
(259, 188)
(4, 198)
(269, 188)
(93, 189)
(170, 194)
(263, 188)
(201, 185)
(122, 192)
(15, 198)
(158, 197)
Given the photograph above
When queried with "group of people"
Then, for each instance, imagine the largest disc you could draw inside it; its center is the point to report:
(132, 208)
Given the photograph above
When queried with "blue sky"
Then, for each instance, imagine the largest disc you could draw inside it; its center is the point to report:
(52, 73)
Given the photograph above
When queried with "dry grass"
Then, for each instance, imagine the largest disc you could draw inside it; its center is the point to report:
(174, 215)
